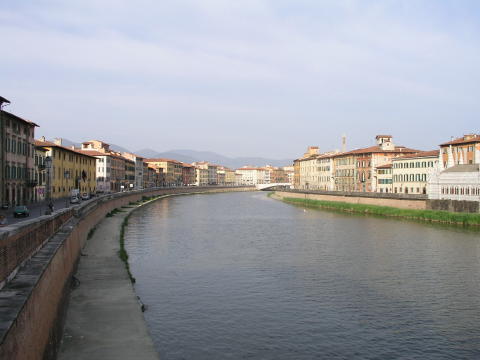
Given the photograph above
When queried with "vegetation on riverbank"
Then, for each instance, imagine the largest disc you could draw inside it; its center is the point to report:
(114, 212)
(122, 252)
(444, 217)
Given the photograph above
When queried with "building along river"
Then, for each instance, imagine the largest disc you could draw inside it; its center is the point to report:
(240, 276)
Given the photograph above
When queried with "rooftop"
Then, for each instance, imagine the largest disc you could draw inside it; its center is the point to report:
(421, 154)
(162, 160)
(386, 166)
(19, 118)
(466, 139)
(40, 143)
(3, 100)
(378, 149)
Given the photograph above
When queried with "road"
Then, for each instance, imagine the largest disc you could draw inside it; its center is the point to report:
(36, 210)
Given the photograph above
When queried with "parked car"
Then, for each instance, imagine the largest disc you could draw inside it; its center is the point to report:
(85, 196)
(21, 210)
(74, 200)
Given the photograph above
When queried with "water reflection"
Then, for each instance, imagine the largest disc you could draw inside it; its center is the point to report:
(244, 276)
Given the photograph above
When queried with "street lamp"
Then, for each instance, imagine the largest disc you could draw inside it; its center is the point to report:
(48, 166)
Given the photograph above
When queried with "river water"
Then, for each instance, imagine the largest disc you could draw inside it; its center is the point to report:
(243, 276)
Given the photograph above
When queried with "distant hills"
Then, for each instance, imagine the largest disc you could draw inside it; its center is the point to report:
(69, 143)
(189, 156)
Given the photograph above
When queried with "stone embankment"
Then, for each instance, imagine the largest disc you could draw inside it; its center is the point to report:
(406, 208)
(38, 259)
(401, 201)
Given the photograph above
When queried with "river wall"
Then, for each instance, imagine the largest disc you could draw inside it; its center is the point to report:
(401, 201)
(416, 202)
(37, 260)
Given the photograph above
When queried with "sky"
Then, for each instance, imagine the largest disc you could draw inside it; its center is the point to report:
(243, 77)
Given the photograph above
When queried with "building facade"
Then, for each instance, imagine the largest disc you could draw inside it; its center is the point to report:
(140, 166)
(411, 173)
(384, 178)
(40, 175)
(171, 169)
(188, 174)
(18, 159)
(201, 176)
(72, 170)
(457, 176)
(252, 176)
(461, 151)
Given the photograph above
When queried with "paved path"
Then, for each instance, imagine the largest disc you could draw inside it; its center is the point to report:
(104, 319)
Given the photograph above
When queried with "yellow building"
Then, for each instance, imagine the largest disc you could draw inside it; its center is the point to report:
(71, 170)
(172, 170)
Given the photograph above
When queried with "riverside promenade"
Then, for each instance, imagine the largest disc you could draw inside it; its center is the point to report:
(104, 318)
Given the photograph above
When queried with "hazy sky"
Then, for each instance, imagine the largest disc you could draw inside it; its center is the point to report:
(243, 77)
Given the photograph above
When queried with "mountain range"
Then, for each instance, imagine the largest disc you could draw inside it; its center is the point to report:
(189, 156)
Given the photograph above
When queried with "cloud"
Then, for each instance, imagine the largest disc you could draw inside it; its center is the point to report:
(279, 63)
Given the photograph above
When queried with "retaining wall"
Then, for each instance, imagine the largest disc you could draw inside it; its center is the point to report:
(33, 302)
(393, 200)
(454, 205)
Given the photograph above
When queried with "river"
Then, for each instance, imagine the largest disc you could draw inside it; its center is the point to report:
(243, 276)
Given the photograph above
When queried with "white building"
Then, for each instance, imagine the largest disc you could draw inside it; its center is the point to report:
(459, 182)
(455, 182)
(410, 173)
(252, 176)
(139, 168)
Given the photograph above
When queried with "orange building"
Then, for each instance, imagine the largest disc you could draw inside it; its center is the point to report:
(463, 151)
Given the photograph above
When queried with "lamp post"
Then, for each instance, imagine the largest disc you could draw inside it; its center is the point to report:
(48, 166)
(66, 175)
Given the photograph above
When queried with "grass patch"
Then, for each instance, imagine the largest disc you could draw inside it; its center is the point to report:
(444, 217)
(114, 212)
(91, 232)
(122, 253)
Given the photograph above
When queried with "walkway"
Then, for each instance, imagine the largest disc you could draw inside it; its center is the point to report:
(104, 319)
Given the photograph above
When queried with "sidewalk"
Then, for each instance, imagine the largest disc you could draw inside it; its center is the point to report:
(104, 319)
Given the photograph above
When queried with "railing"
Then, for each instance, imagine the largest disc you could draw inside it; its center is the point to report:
(19, 244)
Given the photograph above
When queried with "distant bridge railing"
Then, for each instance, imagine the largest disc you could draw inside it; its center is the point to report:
(273, 186)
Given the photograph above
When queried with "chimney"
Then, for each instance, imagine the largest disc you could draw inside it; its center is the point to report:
(43, 139)
(58, 141)
(3, 101)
